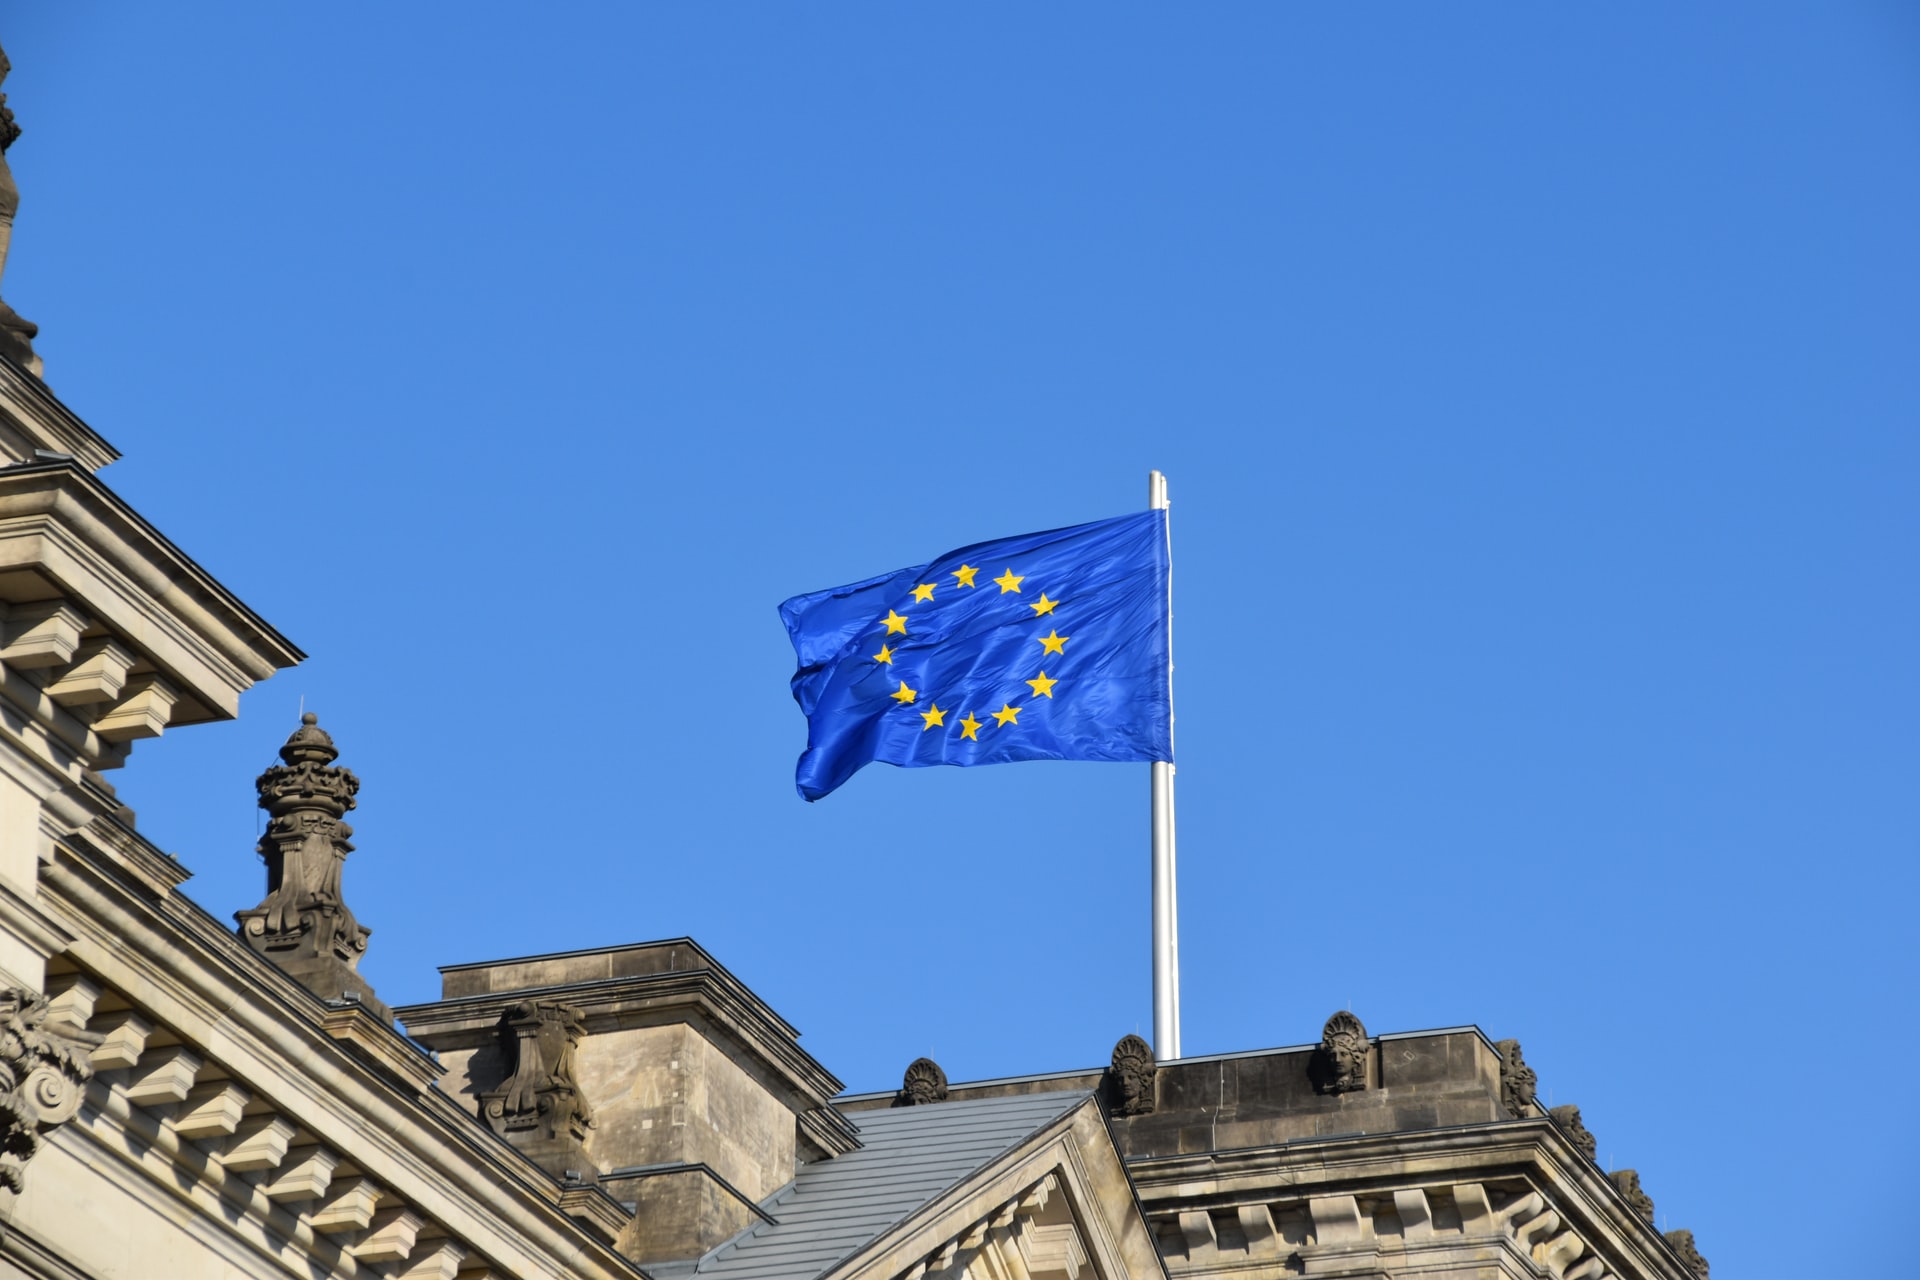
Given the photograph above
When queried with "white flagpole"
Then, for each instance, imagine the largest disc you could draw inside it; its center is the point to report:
(1166, 907)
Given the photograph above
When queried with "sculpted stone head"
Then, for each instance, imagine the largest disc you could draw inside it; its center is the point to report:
(1517, 1081)
(1341, 1062)
(1131, 1074)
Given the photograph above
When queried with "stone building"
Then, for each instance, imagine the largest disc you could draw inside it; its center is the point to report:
(181, 1096)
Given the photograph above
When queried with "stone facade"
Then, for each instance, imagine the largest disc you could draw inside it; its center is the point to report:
(181, 1098)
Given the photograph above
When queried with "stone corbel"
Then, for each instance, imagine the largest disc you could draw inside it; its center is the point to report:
(46, 634)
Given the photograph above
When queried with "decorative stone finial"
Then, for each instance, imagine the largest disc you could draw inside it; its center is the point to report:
(304, 925)
(16, 334)
(1517, 1081)
(1130, 1077)
(540, 1108)
(924, 1082)
(1682, 1242)
(1568, 1118)
(1340, 1063)
(1627, 1183)
(44, 1070)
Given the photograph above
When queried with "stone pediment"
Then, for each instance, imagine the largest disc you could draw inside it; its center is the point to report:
(1054, 1205)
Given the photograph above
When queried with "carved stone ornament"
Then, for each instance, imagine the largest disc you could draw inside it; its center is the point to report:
(1130, 1078)
(1568, 1118)
(1682, 1242)
(43, 1076)
(924, 1082)
(1517, 1081)
(1627, 1183)
(16, 334)
(304, 925)
(1340, 1063)
(541, 1099)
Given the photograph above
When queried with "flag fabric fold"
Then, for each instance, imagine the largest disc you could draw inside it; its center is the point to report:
(1046, 646)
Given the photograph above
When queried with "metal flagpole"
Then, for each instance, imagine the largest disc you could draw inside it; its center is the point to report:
(1166, 908)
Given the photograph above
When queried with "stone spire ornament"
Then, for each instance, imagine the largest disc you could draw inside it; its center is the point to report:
(304, 925)
(16, 334)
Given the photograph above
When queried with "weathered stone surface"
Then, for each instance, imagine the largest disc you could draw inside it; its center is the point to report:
(678, 1212)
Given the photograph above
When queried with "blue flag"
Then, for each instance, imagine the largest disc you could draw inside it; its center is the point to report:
(1049, 646)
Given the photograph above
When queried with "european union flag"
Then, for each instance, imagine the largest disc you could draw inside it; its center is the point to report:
(1049, 646)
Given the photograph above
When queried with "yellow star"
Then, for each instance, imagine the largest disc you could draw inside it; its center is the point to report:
(969, 728)
(933, 717)
(923, 592)
(964, 575)
(1054, 643)
(895, 623)
(904, 694)
(1008, 582)
(886, 654)
(1043, 687)
(1045, 605)
(1007, 714)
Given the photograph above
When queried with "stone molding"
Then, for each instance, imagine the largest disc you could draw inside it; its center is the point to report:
(267, 1088)
(33, 418)
(1388, 1202)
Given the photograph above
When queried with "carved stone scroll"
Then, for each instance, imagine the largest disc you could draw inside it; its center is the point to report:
(1682, 1242)
(304, 924)
(540, 1108)
(924, 1082)
(1340, 1063)
(1517, 1081)
(1130, 1077)
(44, 1070)
(540, 1038)
(1627, 1183)
(1568, 1118)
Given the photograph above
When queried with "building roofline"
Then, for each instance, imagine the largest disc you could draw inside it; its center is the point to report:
(1073, 1073)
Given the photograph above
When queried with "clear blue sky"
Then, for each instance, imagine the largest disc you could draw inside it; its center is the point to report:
(1538, 389)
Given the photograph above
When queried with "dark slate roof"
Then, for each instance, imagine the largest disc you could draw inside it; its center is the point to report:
(834, 1208)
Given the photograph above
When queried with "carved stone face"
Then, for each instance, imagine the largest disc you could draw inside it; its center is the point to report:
(1341, 1064)
(1349, 1063)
